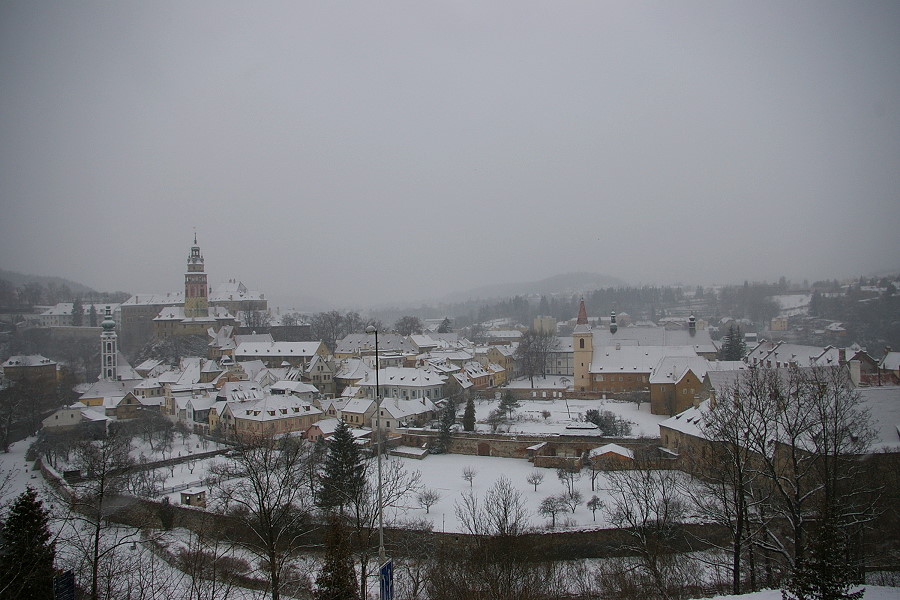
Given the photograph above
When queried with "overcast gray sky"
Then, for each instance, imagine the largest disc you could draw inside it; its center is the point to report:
(371, 151)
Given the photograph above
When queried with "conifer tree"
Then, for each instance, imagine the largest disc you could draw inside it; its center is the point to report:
(509, 403)
(26, 560)
(77, 313)
(343, 472)
(469, 415)
(733, 346)
(337, 579)
(448, 418)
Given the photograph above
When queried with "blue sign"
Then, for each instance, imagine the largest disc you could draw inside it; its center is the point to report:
(386, 579)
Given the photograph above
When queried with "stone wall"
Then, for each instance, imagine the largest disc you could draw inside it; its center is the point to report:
(516, 445)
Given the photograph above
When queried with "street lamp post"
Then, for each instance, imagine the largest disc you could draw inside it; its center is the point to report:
(372, 329)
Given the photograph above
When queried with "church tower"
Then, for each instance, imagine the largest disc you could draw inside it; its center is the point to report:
(109, 349)
(583, 348)
(196, 300)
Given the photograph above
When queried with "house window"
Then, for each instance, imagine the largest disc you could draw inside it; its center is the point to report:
(581, 343)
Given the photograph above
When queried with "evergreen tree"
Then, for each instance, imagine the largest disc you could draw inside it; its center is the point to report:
(448, 418)
(444, 327)
(508, 403)
(77, 313)
(829, 573)
(92, 316)
(343, 472)
(337, 579)
(26, 560)
(468, 420)
(733, 345)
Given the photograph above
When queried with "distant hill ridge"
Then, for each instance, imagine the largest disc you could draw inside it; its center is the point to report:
(565, 283)
(19, 279)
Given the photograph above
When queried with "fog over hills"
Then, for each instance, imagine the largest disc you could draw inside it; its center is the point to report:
(564, 283)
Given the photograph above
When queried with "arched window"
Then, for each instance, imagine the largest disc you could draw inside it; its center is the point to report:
(581, 343)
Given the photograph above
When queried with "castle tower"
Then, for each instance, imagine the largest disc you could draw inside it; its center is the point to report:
(196, 300)
(692, 325)
(583, 350)
(109, 348)
(613, 327)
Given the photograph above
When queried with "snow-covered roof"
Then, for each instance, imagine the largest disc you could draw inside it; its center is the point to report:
(233, 291)
(634, 359)
(176, 313)
(364, 342)
(883, 404)
(651, 336)
(671, 369)
(28, 360)
(271, 408)
(294, 387)
(690, 421)
(783, 354)
(109, 389)
(240, 391)
(276, 349)
(66, 308)
(359, 406)
(611, 449)
(404, 377)
(398, 408)
(168, 298)
(891, 361)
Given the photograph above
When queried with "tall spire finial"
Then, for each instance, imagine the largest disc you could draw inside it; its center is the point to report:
(195, 236)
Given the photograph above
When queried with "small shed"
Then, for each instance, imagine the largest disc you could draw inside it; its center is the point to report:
(194, 497)
(611, 457)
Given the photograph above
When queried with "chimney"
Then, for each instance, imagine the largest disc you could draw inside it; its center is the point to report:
(612, 322)
(692, 325)
(712, 398)
(842, 356)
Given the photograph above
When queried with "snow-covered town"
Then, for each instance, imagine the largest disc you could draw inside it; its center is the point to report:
(503, 300)
(581, 433)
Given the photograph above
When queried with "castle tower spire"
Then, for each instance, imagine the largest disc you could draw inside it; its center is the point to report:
(109, 348)
(196, 300)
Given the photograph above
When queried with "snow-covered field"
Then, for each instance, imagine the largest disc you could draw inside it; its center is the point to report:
(444, 474)
(529, 417)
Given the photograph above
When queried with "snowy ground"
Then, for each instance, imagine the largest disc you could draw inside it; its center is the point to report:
(528, 418)
(443, 473)
(873, 592)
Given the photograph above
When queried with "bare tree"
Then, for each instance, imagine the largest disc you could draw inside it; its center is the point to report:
(428, 498)
(535, 478)
(503, 511)
(469, 473)
(595, 504)
(648, 506)
(397, 484)
(552, 506)
(498, 562)
(408, 325)
(568, 478)
(262, 485)
(105, 465)
(532, 352)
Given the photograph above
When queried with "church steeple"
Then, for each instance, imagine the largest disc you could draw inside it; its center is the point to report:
(582, 314)
(196, 301)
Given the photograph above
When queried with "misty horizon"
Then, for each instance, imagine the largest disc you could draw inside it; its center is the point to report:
(359, 155)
